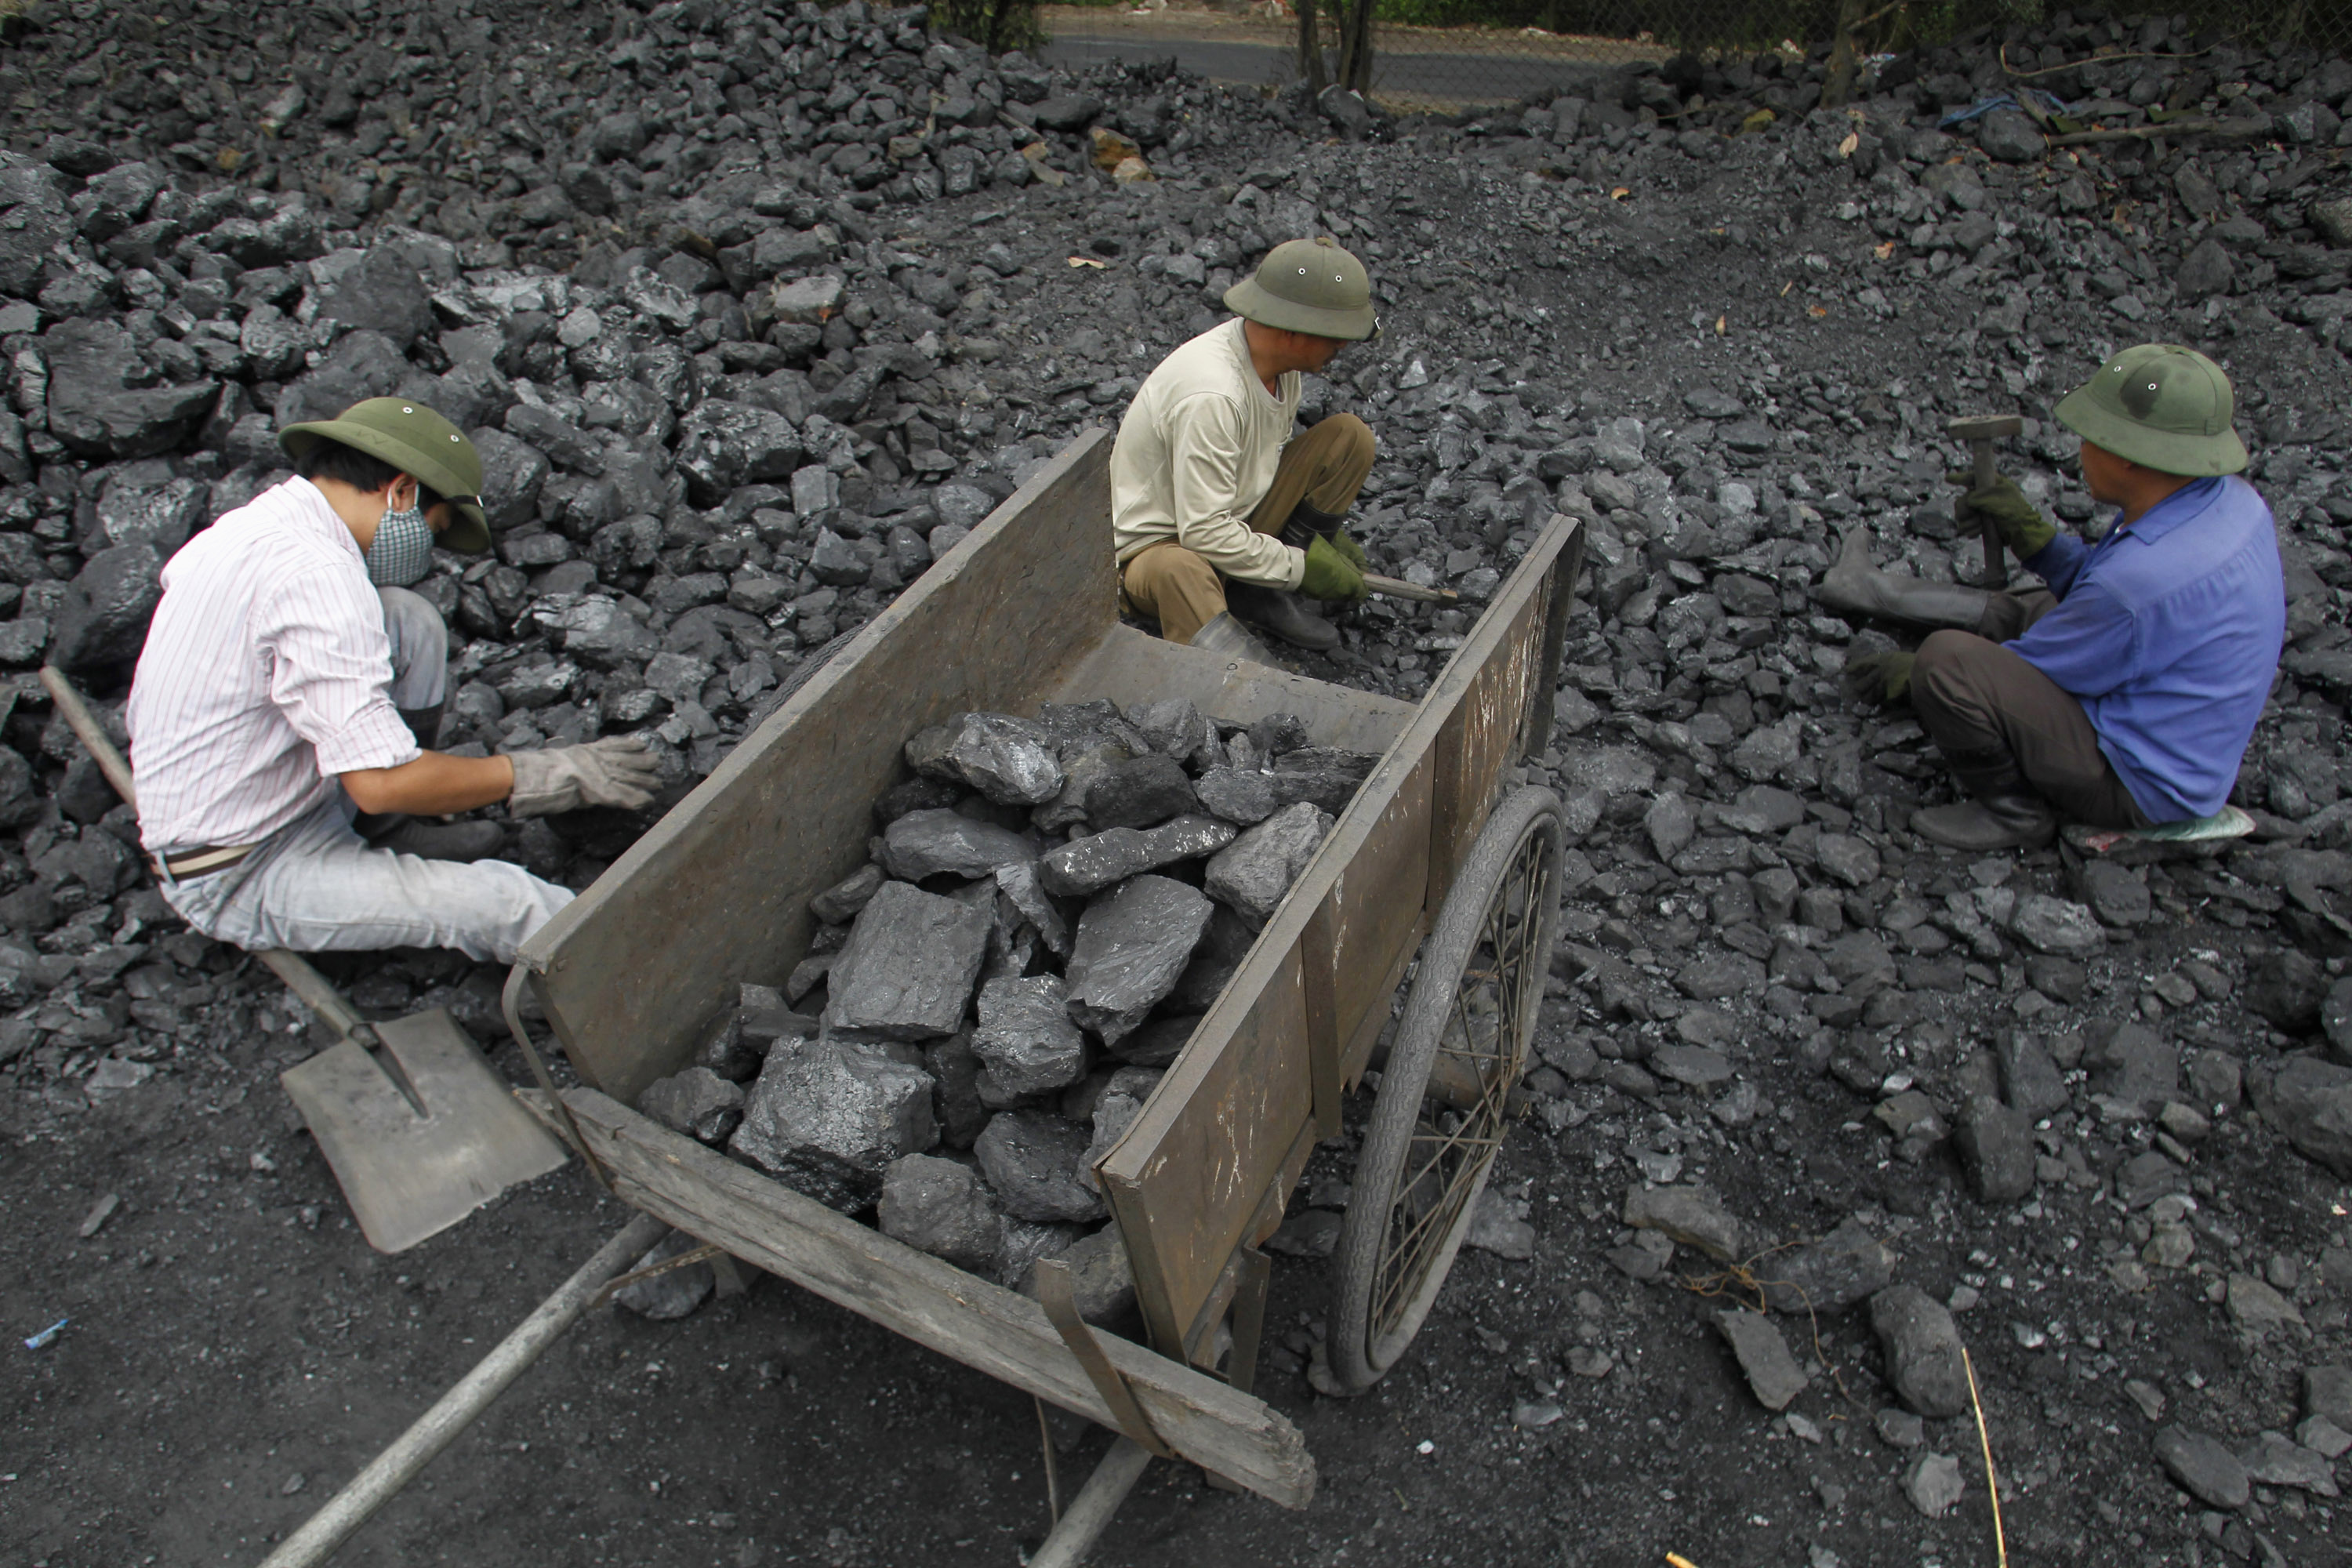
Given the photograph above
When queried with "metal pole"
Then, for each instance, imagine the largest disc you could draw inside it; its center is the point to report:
(458, 1409)
(1090, 1512)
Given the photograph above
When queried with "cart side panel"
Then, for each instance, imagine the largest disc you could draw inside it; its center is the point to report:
(1482, 736)
(1398, 837)
(717, 893)
(1180, 1211)
(1375, 907)
(982, 1325)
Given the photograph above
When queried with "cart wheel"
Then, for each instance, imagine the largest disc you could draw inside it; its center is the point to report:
(1459, 1051)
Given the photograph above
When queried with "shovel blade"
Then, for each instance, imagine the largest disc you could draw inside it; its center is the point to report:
(408, 1176)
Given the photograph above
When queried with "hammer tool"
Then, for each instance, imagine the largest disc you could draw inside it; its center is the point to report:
(1981, 431)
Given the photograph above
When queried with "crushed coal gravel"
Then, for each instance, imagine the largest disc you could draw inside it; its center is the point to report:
(754, 311)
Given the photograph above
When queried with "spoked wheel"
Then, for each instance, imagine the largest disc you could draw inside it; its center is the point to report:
(1460, 1047)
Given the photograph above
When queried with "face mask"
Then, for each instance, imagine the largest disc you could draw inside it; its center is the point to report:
(402, 549)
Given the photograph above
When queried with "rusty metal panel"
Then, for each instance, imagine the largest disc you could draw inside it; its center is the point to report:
(717, 893)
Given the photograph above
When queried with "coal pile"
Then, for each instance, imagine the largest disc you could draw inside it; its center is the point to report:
(1050, 905)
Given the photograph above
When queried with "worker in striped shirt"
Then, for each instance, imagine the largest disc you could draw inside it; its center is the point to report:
(290, 688)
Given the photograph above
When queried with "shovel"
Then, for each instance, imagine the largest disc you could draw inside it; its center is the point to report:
(418, 1129)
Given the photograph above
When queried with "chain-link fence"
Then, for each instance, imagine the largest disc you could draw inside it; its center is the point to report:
(1448, 54)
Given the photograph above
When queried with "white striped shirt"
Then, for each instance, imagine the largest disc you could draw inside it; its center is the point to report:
(267, 673)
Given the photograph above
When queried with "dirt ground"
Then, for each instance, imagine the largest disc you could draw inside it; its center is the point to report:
(233, 1351)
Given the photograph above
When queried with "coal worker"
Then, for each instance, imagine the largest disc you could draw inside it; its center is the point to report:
(1217, 510)
(2123, 695)
(291, 681)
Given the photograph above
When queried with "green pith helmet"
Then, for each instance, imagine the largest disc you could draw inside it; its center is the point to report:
(2162, 406)
(1308, 286)
(419, 443)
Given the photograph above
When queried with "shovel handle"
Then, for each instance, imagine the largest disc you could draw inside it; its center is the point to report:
(1398, 588)
(1996, 572)
(300, 979)
(87, 731)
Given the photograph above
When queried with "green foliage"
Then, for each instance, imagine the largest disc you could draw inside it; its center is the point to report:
(998, 25)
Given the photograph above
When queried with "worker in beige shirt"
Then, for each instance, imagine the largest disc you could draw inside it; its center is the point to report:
(1217, 513)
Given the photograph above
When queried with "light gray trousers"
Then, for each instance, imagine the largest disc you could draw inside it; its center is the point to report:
(317, 886)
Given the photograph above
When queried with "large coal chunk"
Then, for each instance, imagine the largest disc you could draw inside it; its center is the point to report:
(1132, 947)
(1142, 791)
(382, 294)
(908, 969)
(723, 446)
(1032, 1158)
(943, 1208)
(1088, 865)
(931, 843)
(697, 1102)
(103, 402)
(361, 366)
(1026, 1037)
(1251, 875)
(826, 1118)
(102, 620)
(997, 755)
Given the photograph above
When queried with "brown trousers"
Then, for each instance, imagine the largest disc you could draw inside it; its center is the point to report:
(1323, 467)
(1973, 695)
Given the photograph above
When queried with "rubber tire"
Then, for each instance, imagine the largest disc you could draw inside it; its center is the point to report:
(1356, 1362)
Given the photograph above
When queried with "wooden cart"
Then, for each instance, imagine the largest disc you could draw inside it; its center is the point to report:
(1439, 844)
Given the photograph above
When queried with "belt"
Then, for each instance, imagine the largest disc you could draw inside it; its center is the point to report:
(192, 863)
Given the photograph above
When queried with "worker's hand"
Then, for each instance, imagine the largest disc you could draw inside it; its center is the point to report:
(1330, 576)
(1349, 551)
(1879, 679)
(618, 770)
(2019, 521)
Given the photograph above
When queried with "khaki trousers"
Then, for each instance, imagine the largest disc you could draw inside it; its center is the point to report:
(1972, 695)
(1323, 467)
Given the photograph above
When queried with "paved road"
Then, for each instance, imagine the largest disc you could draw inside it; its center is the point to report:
(1457, 79)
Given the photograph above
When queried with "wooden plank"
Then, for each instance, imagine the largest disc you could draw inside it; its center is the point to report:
(717, 893)
(1186, 1180)
(1233, 1114)
(1129, 665)
(982, 1325)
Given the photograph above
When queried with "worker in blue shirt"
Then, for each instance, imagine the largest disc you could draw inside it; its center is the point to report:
(2122, 696)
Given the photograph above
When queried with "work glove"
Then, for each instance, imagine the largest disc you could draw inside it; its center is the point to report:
(2019, 521)
(1879, 679)
(1331, 576)
(618, 770)
(1351, 551)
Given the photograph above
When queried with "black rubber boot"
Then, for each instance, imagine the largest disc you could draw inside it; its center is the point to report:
(425, 723)
(1306, 525)
(2004, 814)
(478, 840)
(1282, 612)
(1856, 589)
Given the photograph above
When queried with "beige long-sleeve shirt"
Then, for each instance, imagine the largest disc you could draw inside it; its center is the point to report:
(1197, 451)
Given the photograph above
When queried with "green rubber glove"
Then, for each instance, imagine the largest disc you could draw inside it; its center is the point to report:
(1329, 575)
(2019, 522)
(1879, 679)
(1349, 551)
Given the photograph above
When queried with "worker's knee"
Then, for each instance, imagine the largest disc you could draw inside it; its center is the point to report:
(1352, 442)
(1940, 678)
(414, 628)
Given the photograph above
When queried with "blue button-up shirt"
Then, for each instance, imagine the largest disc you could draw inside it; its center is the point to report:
(2168, 632)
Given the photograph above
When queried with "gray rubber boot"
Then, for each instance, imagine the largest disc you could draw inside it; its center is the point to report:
(1228, 637)
(1283, 613)
(1858, 590)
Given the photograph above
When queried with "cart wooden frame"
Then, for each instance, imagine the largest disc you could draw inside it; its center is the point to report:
(1025, 610)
